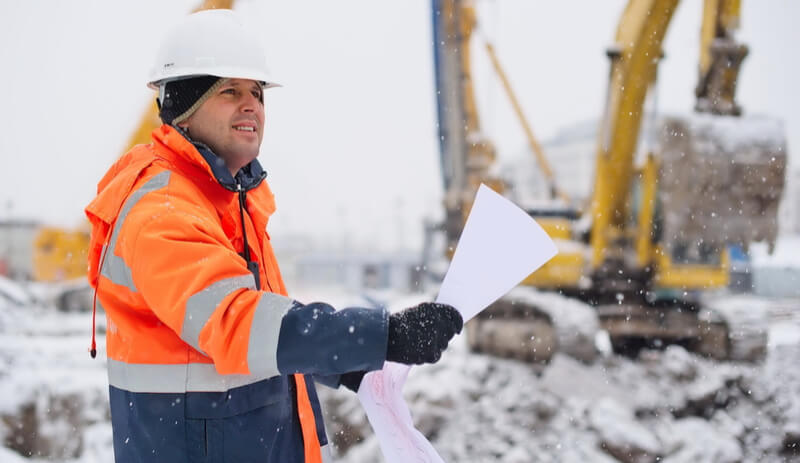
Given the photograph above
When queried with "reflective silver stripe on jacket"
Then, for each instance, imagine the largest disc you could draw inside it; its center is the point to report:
(262, 347)
(325, 451)
(114, 268)
(202, 305)
(262, 356)
(174, 378)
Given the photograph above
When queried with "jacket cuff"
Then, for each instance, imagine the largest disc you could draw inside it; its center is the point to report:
(316, 339)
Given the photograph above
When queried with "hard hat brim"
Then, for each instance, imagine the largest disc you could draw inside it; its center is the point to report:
(157, 81)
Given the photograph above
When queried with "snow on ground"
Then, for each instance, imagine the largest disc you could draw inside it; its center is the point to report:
(13, 293)
(53, 396)
(669, 406)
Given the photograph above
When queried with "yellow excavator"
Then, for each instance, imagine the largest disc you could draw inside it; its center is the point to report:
(655, 236)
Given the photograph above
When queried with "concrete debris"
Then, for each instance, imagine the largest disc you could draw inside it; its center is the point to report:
(715, 446)
(622, 435)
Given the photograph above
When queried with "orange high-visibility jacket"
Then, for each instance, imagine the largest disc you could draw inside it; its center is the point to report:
(200, 345)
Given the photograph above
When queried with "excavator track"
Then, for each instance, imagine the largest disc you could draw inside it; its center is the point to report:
(722, 333)
(532, 326)
(746, 326)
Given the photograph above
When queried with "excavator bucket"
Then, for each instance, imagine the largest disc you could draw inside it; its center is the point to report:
(720, 181)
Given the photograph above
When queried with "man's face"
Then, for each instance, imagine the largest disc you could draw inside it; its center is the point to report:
(230, 122)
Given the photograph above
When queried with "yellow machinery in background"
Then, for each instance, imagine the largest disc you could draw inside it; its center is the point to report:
(656, 233)
(60, 254)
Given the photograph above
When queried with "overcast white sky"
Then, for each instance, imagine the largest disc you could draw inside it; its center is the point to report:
(350, 145)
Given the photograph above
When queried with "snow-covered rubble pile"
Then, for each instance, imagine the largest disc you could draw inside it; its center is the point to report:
(669, 406)
(13, 294)
(53, 397)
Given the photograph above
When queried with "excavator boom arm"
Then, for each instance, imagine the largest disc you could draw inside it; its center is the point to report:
(634, 63)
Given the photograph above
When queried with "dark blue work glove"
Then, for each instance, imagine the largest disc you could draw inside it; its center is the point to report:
(419, 334)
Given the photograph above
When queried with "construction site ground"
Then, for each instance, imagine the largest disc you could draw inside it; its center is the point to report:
(669, 406)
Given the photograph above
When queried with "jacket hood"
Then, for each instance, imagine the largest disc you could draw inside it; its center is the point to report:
(112, 191)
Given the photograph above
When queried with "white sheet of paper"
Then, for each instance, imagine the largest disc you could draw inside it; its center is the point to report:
(499, 246)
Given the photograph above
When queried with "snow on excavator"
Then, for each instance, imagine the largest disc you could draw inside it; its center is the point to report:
(655, 236)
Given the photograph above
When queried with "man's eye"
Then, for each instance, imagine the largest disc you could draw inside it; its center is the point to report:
(229, 91)
(257, 94)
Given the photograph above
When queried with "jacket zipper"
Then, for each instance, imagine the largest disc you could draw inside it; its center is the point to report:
(252, 266)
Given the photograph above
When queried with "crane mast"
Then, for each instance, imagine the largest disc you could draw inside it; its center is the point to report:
(465, 153)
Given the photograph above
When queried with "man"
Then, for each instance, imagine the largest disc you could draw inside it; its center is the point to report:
(207, 356)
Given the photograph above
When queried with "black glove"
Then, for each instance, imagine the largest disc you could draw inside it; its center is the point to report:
(420, 334)
(352, 380)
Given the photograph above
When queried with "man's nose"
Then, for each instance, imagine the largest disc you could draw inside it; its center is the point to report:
(250, 103)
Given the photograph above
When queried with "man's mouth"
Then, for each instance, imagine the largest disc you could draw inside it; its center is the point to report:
(244, 128)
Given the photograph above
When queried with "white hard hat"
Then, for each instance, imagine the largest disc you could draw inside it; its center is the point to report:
(210, 42)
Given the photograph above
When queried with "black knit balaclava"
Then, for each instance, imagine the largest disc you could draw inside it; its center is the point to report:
(183, 97)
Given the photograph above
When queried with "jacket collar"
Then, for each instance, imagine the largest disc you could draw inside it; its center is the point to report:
(248, 177)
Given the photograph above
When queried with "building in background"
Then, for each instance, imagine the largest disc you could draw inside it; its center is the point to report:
(789, 212)
(16, 248)
(777, 274)
(356, 271)
(571, 154)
